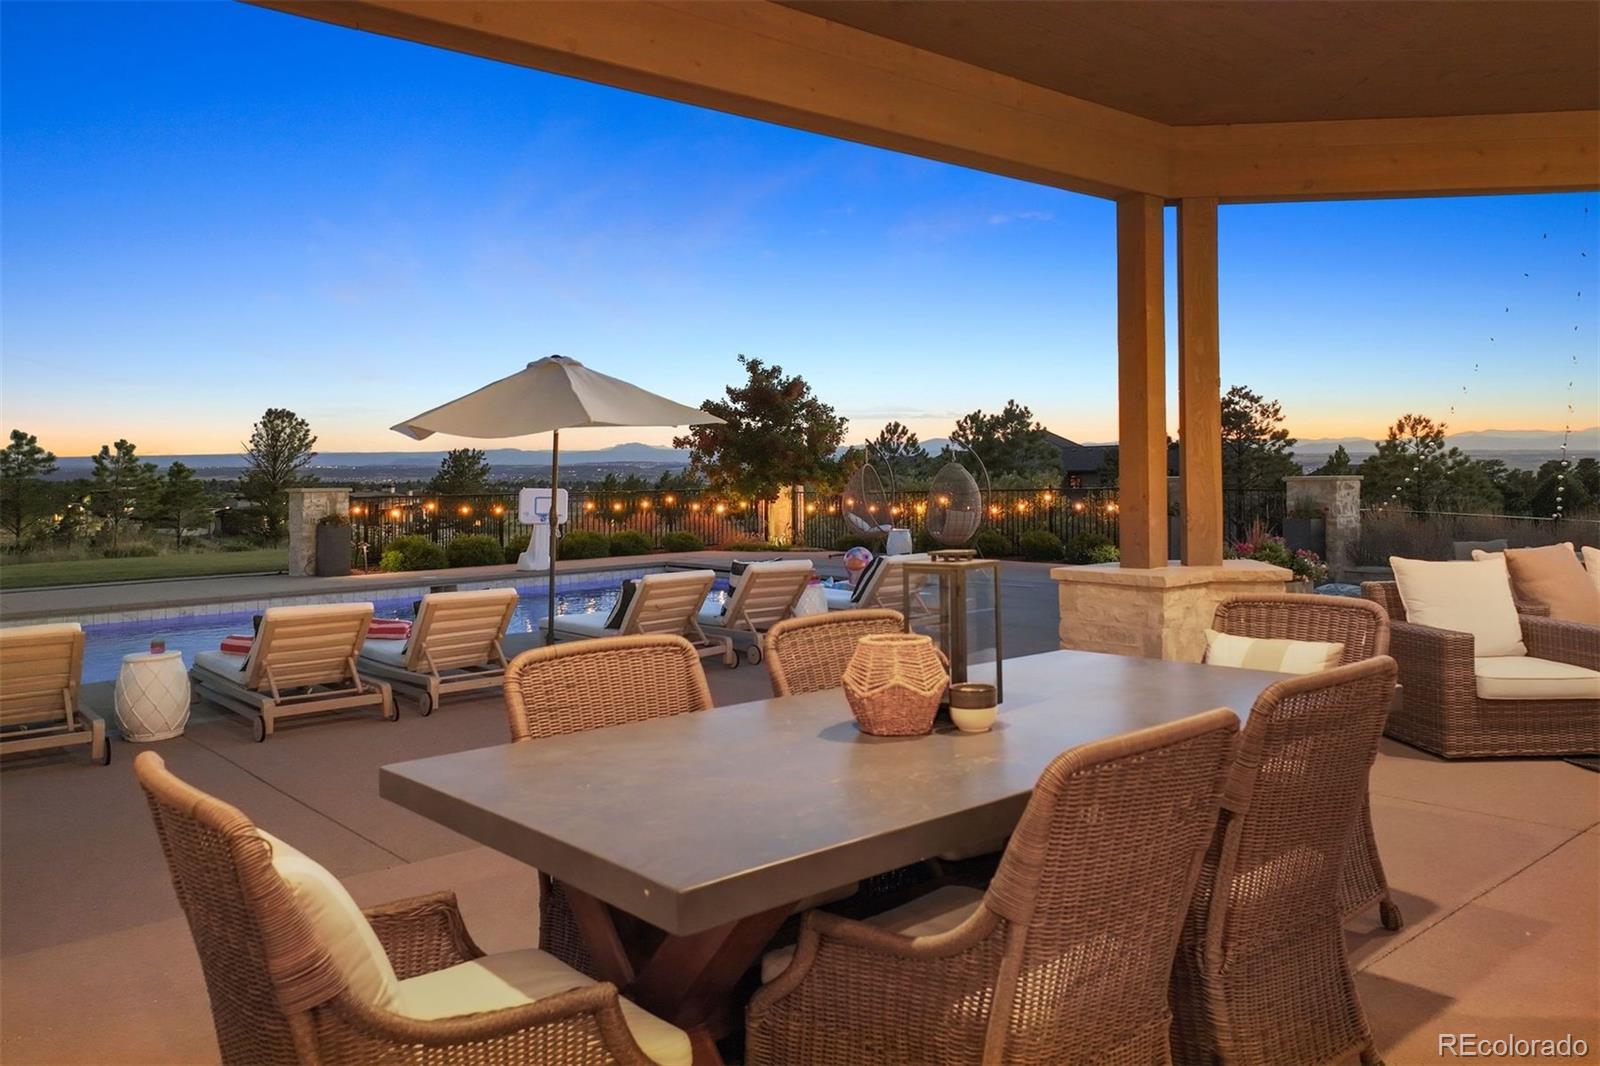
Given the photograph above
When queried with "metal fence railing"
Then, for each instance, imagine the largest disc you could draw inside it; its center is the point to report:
(376, 519)
(1010, 512)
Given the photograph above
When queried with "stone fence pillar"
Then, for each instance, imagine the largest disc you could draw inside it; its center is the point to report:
(1338, 497)
(306, 506)
(782, 517)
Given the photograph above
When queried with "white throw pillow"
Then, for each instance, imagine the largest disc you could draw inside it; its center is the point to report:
(1468, 597)
(344, 931)
(1591, 563)
(1280, 656)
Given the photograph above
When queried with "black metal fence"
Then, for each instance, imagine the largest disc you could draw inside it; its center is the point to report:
(376, 520)
(1010, 512)
(1243, 510)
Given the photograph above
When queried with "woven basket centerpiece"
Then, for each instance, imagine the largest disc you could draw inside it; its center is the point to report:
(894, 683)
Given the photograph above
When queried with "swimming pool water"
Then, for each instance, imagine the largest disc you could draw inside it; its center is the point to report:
(106, 643)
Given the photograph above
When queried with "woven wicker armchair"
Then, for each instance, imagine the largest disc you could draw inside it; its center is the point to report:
(809, 654)
(1363, 628)
(1440, 710)
(1065, 957)
(276, 995)
(1261, 977)
(592, 684)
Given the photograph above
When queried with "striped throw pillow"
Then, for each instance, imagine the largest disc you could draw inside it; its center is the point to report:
(1280, 656)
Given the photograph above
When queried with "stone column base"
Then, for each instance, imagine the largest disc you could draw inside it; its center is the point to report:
(1159, 613)
(306, 505)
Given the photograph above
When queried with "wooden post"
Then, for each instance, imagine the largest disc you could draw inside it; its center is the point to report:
(1199, 383)
(1141, 383)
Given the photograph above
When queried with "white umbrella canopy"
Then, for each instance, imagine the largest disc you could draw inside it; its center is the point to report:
(547, 396)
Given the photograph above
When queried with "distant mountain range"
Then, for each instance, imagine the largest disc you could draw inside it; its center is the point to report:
(655, 457)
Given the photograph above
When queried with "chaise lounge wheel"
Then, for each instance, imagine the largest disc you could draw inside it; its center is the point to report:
(391, 713)
(1389, 914)
(105, 754)
(259, 725)
(424, 704)
(752, 655)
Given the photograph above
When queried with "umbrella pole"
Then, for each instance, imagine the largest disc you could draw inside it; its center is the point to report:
(555, 535)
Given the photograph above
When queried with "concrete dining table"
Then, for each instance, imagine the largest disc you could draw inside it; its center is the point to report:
(710, 826)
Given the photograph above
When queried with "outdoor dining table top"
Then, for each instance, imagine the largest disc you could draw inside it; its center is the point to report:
(696, 820)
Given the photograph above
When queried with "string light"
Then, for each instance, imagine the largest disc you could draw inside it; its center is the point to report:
(394, 514)
(694, 507)
(465, 509)
(498, 509)
(430, 506)
(722, 508)
(669, 499)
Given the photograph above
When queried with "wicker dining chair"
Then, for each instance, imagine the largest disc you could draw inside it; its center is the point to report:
(809, 654)
(277, 996)
(1363, 628)
(1066, 957)
(1440, 711)
(1261, 976)
(592, 684)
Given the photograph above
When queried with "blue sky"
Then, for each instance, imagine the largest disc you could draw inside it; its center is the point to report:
(210, 209)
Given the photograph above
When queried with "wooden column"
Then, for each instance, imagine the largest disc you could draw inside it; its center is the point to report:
(1141, 383)
(1199, 383)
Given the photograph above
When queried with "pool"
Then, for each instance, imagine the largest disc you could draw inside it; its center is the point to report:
(106, 643)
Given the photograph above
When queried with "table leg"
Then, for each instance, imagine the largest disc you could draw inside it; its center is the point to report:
(594, 920)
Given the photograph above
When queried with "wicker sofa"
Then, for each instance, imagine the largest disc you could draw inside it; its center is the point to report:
(1441, 711)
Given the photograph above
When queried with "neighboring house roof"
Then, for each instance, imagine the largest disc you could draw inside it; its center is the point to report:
(1090, 458)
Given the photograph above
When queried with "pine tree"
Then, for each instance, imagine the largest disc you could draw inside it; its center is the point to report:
(278, 450)
(24, 496)
(122, 487)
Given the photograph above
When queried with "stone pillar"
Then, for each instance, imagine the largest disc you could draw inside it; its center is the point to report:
(1338, 497)
(306, 505)
(1156, 613)
(781, 517)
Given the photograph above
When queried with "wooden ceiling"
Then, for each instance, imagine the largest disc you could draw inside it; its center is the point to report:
(1190, 62)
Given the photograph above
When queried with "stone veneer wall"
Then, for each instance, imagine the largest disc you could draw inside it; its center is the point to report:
(305, 507)
(1338, 497)
(1160, 613)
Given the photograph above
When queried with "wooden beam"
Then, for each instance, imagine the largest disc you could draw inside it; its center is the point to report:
(1199, 383)
(1141, 383)
(1465, 155)
(769, 62)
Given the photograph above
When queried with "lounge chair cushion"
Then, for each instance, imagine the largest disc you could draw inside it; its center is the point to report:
(517, 978)
(225, 663)
(1522, 677)
(838, 598)
(939, 911)
(344, 932)
(1468, 549)
(1591, 564)
(1552, 577)
(1281, 656)
(387, 652)
(582, 625)
(1470, 598)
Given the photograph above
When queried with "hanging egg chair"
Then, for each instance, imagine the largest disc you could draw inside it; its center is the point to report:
(955, 503)
(865, 503)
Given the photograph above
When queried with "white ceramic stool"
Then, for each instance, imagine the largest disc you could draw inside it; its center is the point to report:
(152, 696)
(898, 542)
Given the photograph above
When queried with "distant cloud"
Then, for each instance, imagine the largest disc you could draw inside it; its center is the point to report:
(952, 222)
(1001, 219)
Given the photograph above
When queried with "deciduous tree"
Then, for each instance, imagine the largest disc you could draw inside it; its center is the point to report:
(775, 433)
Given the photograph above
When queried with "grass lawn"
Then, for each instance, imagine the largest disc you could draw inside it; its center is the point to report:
(191, 564)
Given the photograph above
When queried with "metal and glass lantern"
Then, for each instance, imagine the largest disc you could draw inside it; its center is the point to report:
(954, 597)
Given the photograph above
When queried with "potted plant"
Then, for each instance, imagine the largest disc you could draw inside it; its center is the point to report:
(333, 545)
(1307, 566)
(1306, 528)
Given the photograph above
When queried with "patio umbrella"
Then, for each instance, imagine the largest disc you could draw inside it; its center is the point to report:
(547, 396)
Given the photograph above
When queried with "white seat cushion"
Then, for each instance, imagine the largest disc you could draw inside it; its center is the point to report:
(387, 652)
(517, 978)
(344, 932)
(838, 598)
(1591, 566)
(223, 663)
(1522, 677)
(583, 625)
(1470, 597)
(939, 911)
(1281, 656)
(712, 616)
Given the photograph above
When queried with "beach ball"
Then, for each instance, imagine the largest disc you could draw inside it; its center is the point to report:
(856, 560)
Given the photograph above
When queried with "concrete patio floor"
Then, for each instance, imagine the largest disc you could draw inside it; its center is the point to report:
(1496, 865)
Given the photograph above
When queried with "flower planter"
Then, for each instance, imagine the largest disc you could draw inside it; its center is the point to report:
(1304, 587)
(333, 549)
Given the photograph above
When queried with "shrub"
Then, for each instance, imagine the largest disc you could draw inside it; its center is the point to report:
(750, 546)
(582, 544)
(681, 540)
(873, 542)
(130, 551)
(1267, 549)
(474, 550)
(334, 519)
(1040, 545)
(631, 542)
(1088, 547)
(992, 544)
(412, 552)
(923, 541)
(1308, 566)
(1105, 553)
(514, 551)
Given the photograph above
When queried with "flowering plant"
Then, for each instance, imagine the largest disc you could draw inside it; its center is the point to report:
(1306, 564)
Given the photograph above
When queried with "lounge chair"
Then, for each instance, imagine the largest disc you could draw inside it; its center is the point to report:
(809, 654)
(454, 646)
(656, 604)
(302, 661)
(881, 586)
(298, 973)
(1066, 957)
(41, 668)
(766, 594)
